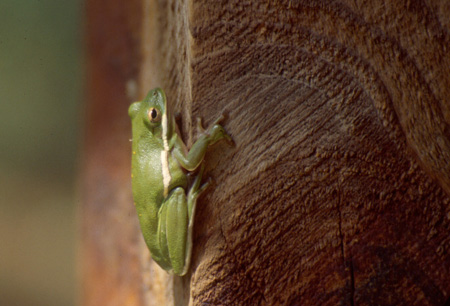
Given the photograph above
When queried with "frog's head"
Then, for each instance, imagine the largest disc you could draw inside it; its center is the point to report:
(153, 111)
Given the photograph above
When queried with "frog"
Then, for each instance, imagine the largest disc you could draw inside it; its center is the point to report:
(166, 179)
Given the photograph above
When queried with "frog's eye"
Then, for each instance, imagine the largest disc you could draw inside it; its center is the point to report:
(154, 115)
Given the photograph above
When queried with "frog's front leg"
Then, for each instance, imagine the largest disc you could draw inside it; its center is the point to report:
(194, 157)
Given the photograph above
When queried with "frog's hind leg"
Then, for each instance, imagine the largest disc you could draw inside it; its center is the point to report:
(173, 229)
(194, 193)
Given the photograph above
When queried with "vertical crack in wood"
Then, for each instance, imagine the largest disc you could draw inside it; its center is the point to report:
(341, 236)
(352, 284)
(350, 261)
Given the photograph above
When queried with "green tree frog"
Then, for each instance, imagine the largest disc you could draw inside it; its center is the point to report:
(164, 201)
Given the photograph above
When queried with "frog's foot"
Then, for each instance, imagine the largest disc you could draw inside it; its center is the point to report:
(221, 118)
(216, 133)
(219, 132)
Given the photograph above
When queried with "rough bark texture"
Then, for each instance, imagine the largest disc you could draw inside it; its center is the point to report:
(337, 191)
(340, 112)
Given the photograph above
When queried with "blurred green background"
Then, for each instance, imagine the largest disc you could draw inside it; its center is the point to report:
(41, 70)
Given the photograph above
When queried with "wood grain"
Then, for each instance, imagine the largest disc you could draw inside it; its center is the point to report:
(336, 190)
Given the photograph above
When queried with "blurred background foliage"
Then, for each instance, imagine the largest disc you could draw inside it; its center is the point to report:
(41, 69)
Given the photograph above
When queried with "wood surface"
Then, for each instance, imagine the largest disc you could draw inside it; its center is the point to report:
(337, 189)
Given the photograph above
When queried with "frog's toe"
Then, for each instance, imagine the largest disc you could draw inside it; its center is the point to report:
(221, 118)
(200, 125)
(228, 138)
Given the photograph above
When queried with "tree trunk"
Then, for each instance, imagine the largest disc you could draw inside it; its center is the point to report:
(337, 190)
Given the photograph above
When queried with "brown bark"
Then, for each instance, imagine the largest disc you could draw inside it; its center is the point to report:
(337, 191)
